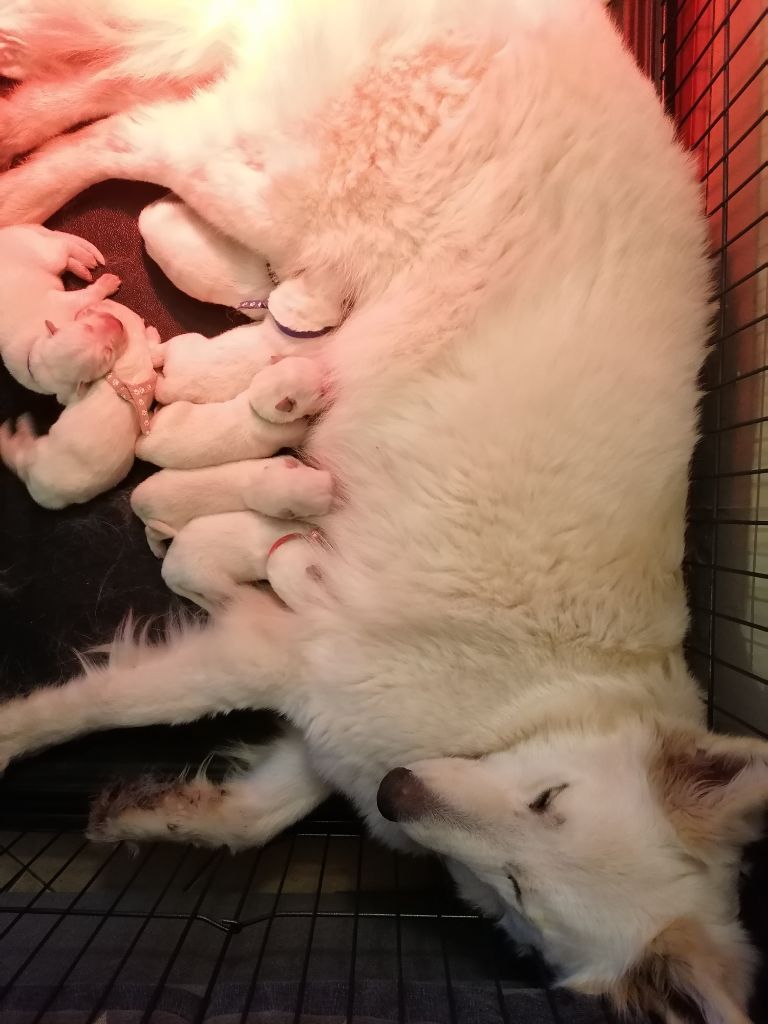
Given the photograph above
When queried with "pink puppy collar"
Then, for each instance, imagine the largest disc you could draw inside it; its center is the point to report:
(139, 395)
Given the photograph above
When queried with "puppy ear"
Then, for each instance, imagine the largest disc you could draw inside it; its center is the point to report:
(102, 357)
(713, 788)
(52, 328)
(684, 977)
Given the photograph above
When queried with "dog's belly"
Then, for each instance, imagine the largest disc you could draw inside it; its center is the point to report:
(513, 514)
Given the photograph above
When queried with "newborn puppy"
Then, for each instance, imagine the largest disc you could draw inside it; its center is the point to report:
(281, 487)
(213, 557)
(45, 342)
(201, 261)
(204, 263)
(90, 448)
(199, 369)
(186, 435)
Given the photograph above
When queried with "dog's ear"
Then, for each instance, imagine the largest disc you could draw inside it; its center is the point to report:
(713, 788)
(684, 977)
(100, 357)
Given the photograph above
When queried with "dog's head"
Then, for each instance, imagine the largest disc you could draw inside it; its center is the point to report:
(616, 854)
(67, 357)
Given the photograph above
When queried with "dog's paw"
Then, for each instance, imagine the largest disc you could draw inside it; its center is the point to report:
(17, 444)
(107, 284)
(82, 257)
(287, 390)
(7, 443)
(150, 809)
(158, 535)
(111, 812)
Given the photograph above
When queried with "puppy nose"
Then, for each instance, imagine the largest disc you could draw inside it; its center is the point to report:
(403, 796)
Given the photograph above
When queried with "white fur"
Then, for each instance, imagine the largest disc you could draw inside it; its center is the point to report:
(200, 260)
(199, 369)
(213, 557)
(90, 447)
(185, 435)
(281, 487)
(514, 412)
(32, 292)
(211, 267)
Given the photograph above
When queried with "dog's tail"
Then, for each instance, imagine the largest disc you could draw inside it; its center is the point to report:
(132, 39)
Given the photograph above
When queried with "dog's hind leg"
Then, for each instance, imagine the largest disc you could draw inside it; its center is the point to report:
(136, 146)
(253, 656)
(175, 144)
(277, 788)
(42, 108)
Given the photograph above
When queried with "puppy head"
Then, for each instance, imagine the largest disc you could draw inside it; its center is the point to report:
(615, 854)
(65, 358)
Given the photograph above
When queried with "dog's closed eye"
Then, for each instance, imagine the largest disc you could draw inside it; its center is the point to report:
(544, 799)
(515, 885)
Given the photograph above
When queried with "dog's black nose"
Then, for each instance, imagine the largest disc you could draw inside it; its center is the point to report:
(403, 796)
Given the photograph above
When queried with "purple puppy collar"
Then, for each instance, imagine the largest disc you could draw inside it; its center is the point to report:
(288, 331)
(301, 335)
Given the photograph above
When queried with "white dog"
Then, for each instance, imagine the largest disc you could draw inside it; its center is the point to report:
(90, 447)
(53, 341)
(213, 557)
(494, 646)
(200, 260)
(281, 487)
(212, 268)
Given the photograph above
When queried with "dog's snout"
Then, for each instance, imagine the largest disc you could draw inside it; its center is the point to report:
(403, 796)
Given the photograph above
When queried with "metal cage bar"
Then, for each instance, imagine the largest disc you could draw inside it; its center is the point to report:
(715, 84)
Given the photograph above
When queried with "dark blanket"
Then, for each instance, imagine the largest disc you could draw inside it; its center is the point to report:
(69, 578)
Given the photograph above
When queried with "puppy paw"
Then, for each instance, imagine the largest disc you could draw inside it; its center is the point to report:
(16, 444)
(158, 535)
(107, 284)
(287, 390)
(81, 256)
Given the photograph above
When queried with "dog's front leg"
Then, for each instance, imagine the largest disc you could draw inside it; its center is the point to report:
(276, 788)
(251, 657)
